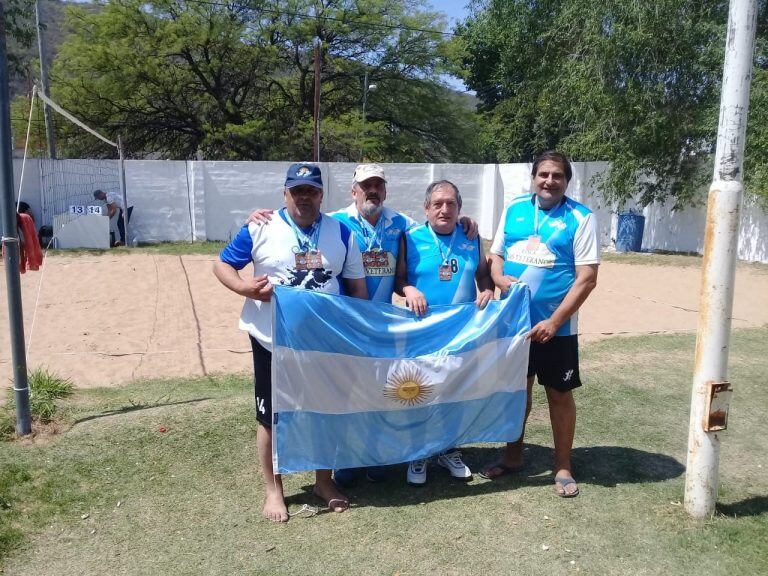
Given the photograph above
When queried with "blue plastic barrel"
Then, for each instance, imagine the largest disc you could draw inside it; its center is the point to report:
(629, 232)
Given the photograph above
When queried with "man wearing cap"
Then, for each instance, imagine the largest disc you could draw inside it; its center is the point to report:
(114, 210)
(302, 248)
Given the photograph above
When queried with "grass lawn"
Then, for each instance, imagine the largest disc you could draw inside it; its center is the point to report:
(116, 495)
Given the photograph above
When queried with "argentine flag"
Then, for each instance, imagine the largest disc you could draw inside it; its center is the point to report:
(358, 383)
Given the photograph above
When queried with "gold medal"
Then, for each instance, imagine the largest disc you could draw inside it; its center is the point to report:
(314, 260)
(301, 260)
(369, 259)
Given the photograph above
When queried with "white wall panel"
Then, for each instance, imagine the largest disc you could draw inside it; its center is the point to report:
(159, 193)
(210, 200)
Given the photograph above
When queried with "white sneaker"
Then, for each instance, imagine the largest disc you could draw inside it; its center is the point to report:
(454, 463)
(417, 472)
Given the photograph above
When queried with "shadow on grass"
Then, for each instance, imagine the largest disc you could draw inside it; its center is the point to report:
(136, 407)
(596, 465)
(754, 506)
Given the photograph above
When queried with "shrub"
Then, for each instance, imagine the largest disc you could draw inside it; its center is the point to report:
(45, 389)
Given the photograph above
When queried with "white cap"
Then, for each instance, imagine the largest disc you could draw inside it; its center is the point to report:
(365, 171)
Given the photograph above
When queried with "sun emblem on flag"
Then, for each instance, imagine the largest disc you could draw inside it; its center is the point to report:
(408, 384)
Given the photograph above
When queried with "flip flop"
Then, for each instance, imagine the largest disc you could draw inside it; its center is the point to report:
(484, 473)
(562, 482)
(333, 503)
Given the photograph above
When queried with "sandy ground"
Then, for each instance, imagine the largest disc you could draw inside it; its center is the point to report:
(107, 320)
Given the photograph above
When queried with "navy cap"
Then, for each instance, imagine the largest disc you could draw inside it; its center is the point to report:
(303, 174)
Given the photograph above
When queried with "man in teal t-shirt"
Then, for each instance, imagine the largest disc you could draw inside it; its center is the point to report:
(549, 241)
(438, 265)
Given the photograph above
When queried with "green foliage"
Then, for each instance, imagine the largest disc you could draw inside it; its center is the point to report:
(7, 423)
(756, 161)
(45, 389)
(236, 81)
(20, 120)
(634, 83)
(18, 18)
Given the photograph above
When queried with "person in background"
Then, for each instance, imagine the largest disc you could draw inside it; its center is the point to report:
(114, 210)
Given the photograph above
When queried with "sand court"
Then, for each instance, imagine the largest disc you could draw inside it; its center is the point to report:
(104, 320)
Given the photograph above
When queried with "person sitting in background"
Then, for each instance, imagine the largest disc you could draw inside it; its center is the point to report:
(30, 254)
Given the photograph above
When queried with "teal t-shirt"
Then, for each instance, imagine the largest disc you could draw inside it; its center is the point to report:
(425, 252)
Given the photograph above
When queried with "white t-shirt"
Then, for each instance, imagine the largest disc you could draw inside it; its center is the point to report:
(272, 249)
(115, 198)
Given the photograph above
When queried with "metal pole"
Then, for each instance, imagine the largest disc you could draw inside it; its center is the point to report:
(365, 101)
(316, 139)
(711, 391)
(121, 168)
(47, 112)
(10, 241)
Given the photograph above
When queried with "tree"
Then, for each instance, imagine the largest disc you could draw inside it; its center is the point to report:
(235, 80)
(756, 150)
(19, 30)
(637, 84)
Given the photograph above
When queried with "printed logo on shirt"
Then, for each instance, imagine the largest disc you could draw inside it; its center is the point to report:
(378, 263)
(531, 254)
(559, 224)
(312, 279)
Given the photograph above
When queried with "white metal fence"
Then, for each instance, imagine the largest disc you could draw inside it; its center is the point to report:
(207, 200)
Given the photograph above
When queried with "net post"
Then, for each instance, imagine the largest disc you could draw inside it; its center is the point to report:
(121, 169)
(10, 242)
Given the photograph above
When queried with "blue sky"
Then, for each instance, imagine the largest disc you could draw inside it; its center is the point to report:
(454, 9)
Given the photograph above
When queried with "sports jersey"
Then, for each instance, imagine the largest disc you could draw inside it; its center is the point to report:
(273, 248)
(379, 245)
(425, 253)
(546, 259)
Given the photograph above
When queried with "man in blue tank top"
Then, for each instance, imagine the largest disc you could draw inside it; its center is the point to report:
(439, 265)
(549, 241)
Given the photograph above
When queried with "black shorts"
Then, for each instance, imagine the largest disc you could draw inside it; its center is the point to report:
(556, 363)
(262, 382)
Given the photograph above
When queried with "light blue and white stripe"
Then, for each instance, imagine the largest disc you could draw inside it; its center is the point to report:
(338, 364)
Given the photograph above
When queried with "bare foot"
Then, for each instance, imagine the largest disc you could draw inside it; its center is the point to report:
(328, 493)
(274, 507)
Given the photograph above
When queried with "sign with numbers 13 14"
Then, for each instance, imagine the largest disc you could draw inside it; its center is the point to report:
(80, 210)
